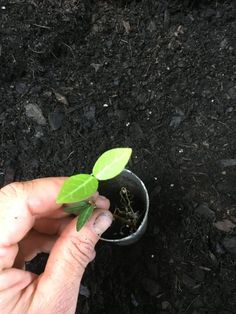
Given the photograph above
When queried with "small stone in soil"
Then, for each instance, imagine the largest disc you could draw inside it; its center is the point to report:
(220, 249)
(90, 112)
(96, 66)
(232, 92)
(165, 305)
(152, 27)
(225, 225)
(175, 121)
(133, 300)
(224, 43)
(204, 211)
(34, 112)
(228, 162)
(55, 120)
(39, 132)
(21, 88)
(230, 244)
(84, 291)
(61, 98)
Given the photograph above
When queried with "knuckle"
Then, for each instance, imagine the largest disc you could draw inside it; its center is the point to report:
(12, 189)
(16, 191)
(81, 251)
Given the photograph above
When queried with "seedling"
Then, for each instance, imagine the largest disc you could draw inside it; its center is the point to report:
(77, 189)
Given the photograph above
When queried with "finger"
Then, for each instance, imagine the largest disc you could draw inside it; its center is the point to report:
(35, 243)
(21, 203)
(59, 213)
(16, 278)
(102, 202)
(38, 241)
(56, 226)
(12, 281)
(8, 255)
(51, 226)
(68, 259)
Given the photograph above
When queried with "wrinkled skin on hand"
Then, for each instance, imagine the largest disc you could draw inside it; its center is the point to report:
(32, 222)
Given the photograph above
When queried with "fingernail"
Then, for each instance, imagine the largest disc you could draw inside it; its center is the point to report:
(102, 197)
(102, 223)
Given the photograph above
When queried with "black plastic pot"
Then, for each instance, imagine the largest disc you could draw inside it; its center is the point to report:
(136, 187)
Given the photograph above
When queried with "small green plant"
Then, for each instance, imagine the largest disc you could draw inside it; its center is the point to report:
(77, 189)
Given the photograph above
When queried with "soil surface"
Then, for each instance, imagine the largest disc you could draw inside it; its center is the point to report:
(80, 77)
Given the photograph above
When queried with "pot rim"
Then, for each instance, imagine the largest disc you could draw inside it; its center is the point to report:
(143, 223)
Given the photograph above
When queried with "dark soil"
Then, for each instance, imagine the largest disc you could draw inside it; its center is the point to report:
(79, 77)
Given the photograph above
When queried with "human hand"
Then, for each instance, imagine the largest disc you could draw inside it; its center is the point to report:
(32, 222)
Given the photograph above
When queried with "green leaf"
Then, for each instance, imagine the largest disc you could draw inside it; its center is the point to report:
(76, 208)
(83, 217)
(77, 188)
(111, 163)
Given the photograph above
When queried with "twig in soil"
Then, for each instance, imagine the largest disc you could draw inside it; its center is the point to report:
(205, 268)
(177, 284)
(188, 307)
(54, 55)
(38, 52)
(14, 59)
(42, 26)
(71, 50)
(225, 125)
(70, 154)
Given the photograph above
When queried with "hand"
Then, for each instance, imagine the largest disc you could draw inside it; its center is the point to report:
(32, 222)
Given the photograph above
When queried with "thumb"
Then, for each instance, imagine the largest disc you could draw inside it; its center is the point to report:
(60, 282)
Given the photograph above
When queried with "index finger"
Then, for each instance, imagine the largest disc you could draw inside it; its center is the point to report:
(22, 202)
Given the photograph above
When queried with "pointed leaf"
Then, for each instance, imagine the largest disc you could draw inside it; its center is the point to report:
(83, 217)
(76, 208)
(77, 188)
(111, 163)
